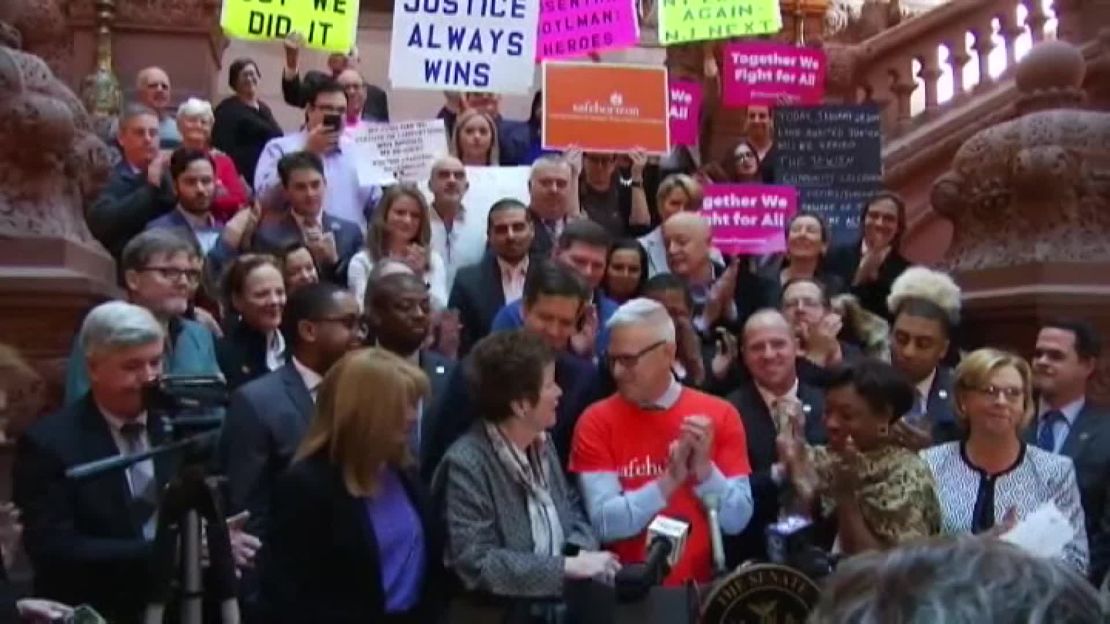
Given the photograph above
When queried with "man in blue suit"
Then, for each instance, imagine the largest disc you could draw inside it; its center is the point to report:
(267, 417)
(584, 247)
(331, 240)
(1069, 423)
(555, 298)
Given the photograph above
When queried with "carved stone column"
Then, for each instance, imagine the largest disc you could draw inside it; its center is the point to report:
(1029, 201)
(51, 165)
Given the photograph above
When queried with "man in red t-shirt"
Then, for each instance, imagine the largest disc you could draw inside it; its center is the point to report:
(657, 447)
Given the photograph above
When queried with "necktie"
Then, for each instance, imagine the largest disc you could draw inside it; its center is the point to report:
(918, 413)
(144, 487)
(1046, 437)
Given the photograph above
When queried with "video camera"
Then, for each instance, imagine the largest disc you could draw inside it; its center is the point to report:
(187, 404)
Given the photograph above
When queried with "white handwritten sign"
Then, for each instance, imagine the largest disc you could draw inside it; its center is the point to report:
(407, 149)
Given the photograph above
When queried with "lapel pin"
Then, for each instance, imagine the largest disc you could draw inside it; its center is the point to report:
(246, 369)
(943, 394)
(440, 370)
(806, 408)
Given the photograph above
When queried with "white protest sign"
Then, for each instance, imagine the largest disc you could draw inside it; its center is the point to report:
(464, 45)
(406, 149)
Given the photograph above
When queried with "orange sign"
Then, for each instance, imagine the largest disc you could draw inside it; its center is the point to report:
(602, 107)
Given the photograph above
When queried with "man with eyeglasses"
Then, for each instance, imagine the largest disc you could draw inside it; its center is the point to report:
(160, 271)
(554, 300)
(483, 288)
(805, 304)
(267, 417)
(354, 182)
(138, 190)
(658, 448)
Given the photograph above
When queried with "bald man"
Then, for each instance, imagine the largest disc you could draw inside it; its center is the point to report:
(295, 92)
(458, 232)
(152, 88)
(770, 396)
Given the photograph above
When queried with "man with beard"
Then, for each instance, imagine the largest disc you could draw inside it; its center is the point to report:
(159, 269)
(1069, 423)
(398, 317)
(267, 417)
(481, 289)
(458, 234)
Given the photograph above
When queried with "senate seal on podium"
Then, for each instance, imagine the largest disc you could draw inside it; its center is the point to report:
(761, 593)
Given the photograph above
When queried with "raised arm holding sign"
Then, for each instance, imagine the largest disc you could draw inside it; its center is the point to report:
(325, 24)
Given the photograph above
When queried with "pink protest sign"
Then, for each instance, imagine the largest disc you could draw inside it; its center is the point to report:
(570, 28)
(773, 73)
(684, 111)
(749, 218)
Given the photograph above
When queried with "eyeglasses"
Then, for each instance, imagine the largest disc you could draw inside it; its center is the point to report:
(333, 110)
(630, 361)
(350, 322)
(1010, 393)
(173, 273)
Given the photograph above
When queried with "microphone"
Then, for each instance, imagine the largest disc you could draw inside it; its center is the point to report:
(712, 504)
(666, 540)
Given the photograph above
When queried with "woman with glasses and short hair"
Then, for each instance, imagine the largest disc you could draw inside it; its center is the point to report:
(993, 479)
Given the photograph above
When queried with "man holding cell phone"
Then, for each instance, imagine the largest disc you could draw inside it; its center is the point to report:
(354, 182)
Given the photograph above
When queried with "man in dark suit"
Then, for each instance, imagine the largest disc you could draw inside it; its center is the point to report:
(398, 317)
(554, 300)
(773, 395)
(267, 417)
(481, 289)
(138, 189)
(1064, 360)
(89, 541)
(295, 91)
(549, 189)
(919, 340)
(331, 240)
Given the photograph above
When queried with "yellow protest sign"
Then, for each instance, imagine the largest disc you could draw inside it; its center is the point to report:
(683, 21)
(326, 24)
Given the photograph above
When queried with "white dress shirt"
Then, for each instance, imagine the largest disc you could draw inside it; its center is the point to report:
(464, 244)
(275, 350)
(512, 278)
(311, 378)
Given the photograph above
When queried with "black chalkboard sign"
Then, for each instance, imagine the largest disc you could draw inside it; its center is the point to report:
(833, 156)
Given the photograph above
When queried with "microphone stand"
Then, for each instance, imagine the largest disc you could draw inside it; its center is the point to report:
(188, 497)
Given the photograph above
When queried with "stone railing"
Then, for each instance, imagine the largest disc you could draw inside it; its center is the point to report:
(907, 63)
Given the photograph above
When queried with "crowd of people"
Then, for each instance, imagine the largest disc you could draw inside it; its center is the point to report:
(438, 407)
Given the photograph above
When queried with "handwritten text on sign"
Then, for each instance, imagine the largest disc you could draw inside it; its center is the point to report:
(833, 155)
(772, 73)
(683, 21)
(749, 218)
(464, 45)
(408, 148)
(570, 28)
(685, 111)
(325, 24)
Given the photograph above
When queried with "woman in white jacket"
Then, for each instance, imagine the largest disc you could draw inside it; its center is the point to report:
(400, 229)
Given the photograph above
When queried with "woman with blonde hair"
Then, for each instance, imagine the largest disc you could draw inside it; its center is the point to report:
(349, 536)
(475, 140)
(992, 479)
(195, 120)
(400, 229)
